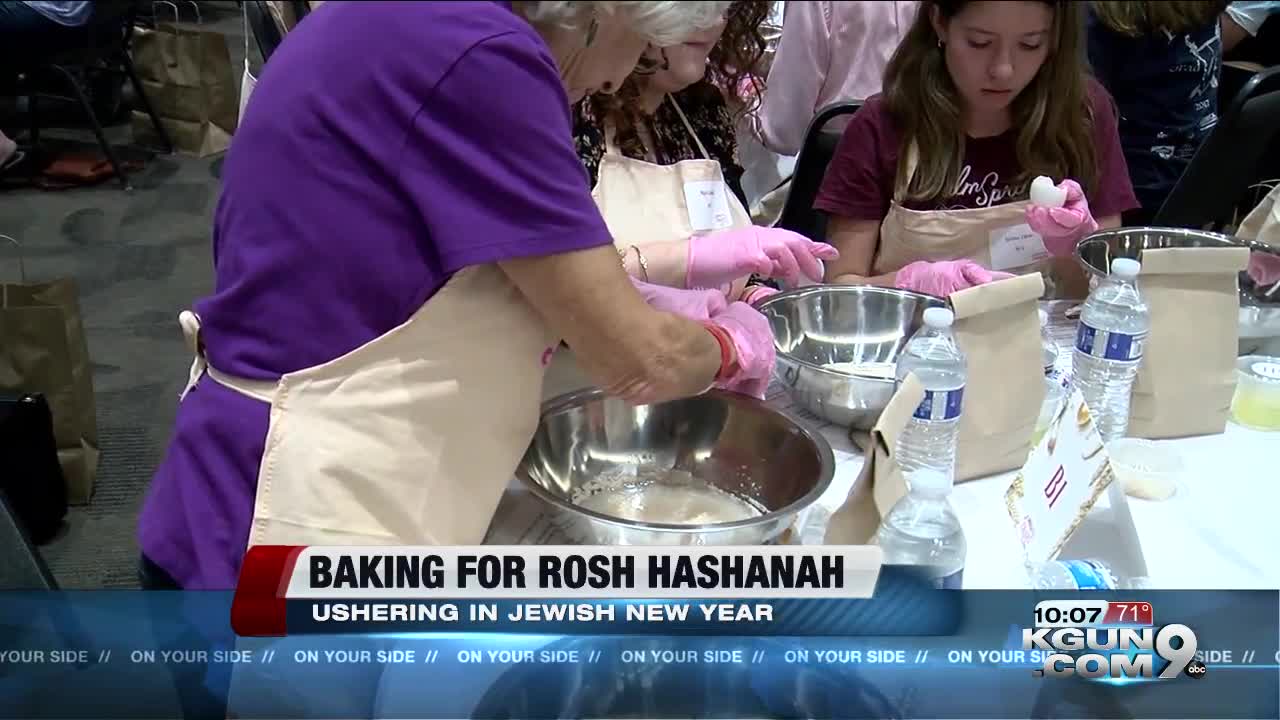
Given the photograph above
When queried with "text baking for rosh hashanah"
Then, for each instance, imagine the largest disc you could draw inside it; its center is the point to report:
(290, 590)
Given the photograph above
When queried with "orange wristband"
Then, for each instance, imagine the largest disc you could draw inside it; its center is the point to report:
(726, 350)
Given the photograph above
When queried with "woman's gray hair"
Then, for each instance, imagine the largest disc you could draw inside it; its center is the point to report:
(663, 22)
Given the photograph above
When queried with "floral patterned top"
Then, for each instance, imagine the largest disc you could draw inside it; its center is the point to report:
(703, 105)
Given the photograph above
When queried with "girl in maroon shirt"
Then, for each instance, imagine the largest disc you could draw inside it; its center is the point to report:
(928, 189)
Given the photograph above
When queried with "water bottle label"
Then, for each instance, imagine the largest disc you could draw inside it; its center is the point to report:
(954, 581)
(1089, 575)
(940, 405)
(1109, 345)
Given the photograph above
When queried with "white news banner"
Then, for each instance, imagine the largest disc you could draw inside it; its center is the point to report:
(522, 519)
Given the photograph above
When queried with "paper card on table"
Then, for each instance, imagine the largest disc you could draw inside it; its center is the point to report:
(1015, 247)
(708, 205)
(1064, 476)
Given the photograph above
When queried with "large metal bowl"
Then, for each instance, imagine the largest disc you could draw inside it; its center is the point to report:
(736, 444)
(1259, 315)
(818, 325)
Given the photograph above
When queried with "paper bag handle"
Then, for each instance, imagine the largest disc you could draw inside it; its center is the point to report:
(22, 268)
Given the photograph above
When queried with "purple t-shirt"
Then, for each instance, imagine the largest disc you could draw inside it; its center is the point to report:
(387, 146)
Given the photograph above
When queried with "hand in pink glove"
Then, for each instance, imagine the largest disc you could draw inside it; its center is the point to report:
(753, 348)
(1264, 268)
(1061, 228)
(943, 278)
(755, 293)
(721, 258)
(697, 305)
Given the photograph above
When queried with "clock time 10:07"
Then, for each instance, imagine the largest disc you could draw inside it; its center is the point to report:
(1091, 613)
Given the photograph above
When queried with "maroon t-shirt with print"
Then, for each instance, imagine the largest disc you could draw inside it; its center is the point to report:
(860, 179)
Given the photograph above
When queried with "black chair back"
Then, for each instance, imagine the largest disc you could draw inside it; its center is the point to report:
(266, 33)
(1228, 162)
(819, 146)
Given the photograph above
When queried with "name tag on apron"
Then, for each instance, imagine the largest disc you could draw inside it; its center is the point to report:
(708, 205)
(1015, 247)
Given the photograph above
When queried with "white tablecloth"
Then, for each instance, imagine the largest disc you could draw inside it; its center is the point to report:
(1219, 531)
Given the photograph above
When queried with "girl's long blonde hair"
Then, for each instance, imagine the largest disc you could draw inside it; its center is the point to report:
(1052, 116)
(1136, 18)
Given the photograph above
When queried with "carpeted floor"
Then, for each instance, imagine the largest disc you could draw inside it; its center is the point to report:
(140, 258)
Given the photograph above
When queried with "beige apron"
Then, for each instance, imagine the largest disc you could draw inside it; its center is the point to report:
(997, 237)
(642, 203)
(409, 439)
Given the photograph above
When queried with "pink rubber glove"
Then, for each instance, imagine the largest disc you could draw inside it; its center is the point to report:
(1061, 228)
(943, 278)
(753, 295)
(753, 344)
(1264, 268)
(721, 258)
(749, 86)
(697, 305)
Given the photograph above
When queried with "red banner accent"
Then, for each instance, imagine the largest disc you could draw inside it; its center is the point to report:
(258, 609)
(1129, 613)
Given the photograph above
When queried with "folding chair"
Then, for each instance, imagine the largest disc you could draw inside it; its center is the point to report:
(106, 46)
(819, 146)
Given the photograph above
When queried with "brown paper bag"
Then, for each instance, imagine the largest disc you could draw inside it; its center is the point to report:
(881, 483)
(998, 328)
(186, 72)
(1188, 376)
(43, 350)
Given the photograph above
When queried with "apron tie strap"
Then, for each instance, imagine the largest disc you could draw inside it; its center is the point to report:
(190, 324)
(261, 390)
(688, 126)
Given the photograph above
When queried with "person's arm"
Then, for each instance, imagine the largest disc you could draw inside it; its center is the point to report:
(1243, 20)
(531, 213)
(857, 241)
(855, 193)
(1113, 194)
(1110, 222)
(795, 79)
(1232, 33)
(628, 348)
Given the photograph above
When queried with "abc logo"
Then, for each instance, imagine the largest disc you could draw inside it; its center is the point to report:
(1196, 669)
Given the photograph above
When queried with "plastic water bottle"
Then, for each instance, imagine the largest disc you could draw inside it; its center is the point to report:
(1113, 329)
(1074, 575)
(922, 530)
(1082, 575)
(929, 440)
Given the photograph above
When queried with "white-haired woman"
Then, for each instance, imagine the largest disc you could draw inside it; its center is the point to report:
(404, 235)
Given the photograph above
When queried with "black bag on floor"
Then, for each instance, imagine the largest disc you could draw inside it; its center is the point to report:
(30, 476)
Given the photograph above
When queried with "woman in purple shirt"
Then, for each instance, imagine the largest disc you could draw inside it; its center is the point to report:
(404, 235)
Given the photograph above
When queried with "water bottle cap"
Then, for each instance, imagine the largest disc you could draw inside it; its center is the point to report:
(1125, 268)
(937, 317)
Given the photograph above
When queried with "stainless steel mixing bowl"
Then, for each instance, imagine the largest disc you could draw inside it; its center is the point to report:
(736, 444)
(1259, 315)
(818, 325)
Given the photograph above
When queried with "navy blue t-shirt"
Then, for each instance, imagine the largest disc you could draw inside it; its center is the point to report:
(1166, 90)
